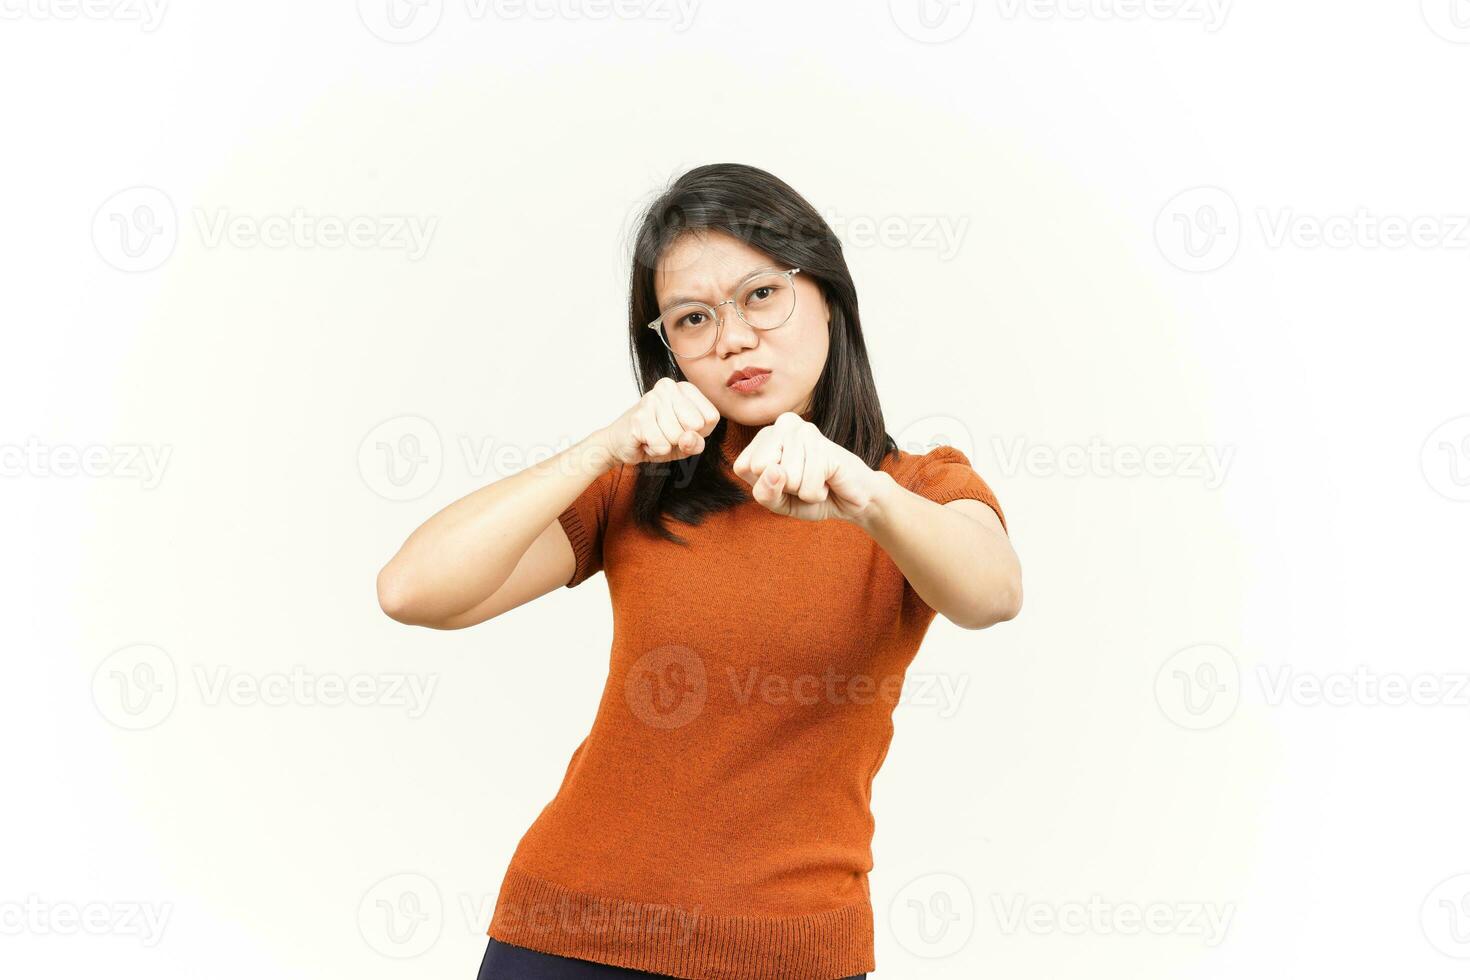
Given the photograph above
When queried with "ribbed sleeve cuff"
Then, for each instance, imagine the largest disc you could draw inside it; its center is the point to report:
(581, 539)
(944, 496)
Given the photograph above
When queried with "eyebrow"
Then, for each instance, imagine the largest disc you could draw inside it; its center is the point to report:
(693, 299)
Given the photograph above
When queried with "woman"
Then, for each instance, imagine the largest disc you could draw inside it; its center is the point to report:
(774, 561)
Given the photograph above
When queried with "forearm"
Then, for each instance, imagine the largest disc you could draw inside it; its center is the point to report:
(466, 551)
(964, 569)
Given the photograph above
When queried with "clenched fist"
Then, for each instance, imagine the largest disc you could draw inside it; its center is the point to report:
(668, 423)
(796, 471)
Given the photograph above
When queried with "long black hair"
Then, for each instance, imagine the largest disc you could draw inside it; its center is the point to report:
(767, 214)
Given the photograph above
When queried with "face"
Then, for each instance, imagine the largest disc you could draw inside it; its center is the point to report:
(707, 266)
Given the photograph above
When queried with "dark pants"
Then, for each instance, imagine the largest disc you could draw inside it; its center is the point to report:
(504, 961)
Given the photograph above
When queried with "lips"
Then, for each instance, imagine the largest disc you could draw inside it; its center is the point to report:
(746, 373)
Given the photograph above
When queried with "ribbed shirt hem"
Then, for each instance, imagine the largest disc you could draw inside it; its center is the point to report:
(682, 941)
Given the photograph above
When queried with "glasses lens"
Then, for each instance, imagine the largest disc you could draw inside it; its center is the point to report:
(767, 300)
(689, 330)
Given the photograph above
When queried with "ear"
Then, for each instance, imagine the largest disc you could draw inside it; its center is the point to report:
(826, 306)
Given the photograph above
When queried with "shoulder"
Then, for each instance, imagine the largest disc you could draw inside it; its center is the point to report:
(913, 469)
(942, 474)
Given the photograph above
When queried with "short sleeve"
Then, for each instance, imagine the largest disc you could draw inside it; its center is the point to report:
(585, 524)
(944, 474)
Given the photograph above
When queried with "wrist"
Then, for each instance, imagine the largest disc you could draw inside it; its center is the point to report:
(596, 453)
(880, 501)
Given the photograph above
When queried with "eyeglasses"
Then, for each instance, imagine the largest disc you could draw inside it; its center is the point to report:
(764, 299)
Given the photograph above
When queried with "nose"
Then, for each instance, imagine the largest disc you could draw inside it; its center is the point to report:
(735, 333)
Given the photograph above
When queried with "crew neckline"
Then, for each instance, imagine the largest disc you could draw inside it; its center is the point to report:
(738, 435)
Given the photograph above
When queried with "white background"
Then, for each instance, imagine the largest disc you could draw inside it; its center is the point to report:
(1175, 229)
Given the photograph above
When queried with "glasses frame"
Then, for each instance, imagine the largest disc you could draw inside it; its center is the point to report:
(714, 311)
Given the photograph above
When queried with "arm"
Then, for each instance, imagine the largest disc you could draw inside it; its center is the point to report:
(956, 555)
(502, 545)
(495, 548)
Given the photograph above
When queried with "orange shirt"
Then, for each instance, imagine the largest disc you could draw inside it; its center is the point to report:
(715, 821)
